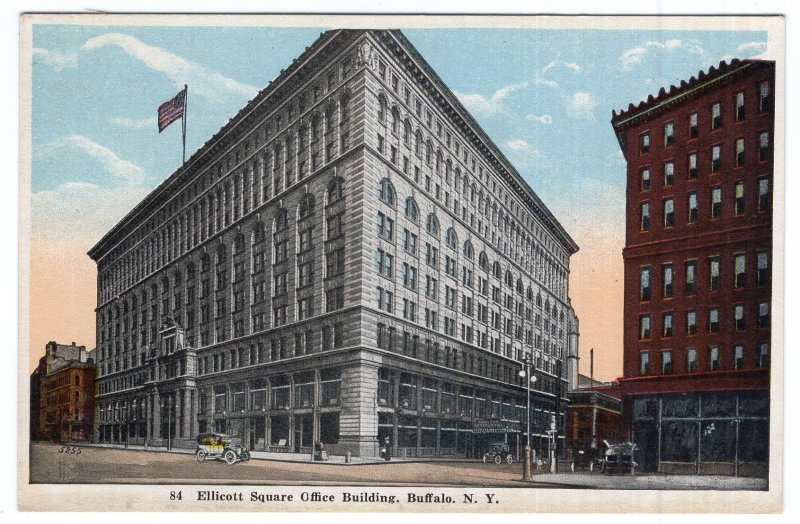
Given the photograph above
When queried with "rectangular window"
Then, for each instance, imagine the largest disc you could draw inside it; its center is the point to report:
(644, 327)
(644, 214)
(644, 143)
(692, 165)
(409, 242)
(691, 204)
(713, 273)
(763, 147)
(739, 270)
(762, 266)
(763, 96)
(691, 322)
(763, 314)
(669, 173)
(666, 280)
(693, 125)
(713, 358)
(691, 360)
(666, 362)
(738, 356)
(644, 363)
(739, 106)
(763, 194)
(716, 202)
(740, 149)
(666, 322)
(716, 161)
(644, 179)
(738, 201)
(385, 227)
(763, 355)
(669, 137)
(644, 283)
(716, 116)
(713, 320)
(738, 317)
(669, 213)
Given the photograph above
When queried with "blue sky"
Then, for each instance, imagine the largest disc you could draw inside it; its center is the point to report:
(544, 96)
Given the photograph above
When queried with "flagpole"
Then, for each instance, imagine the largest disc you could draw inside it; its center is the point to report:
(185, 110)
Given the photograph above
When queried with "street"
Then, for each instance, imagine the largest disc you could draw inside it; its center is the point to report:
(111, 465)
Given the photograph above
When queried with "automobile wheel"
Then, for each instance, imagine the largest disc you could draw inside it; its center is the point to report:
(485, 458)
(230, 456)
(497, 459)
(201, 455)
(509, 459)
(245, 455)
(572, 467)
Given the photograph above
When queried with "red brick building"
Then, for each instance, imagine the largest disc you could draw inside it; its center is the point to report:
(62, 394)
(698, 271)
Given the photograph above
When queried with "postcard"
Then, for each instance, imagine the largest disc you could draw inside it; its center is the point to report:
(401, 263)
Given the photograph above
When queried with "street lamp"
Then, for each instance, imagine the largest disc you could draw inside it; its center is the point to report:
(525, 374)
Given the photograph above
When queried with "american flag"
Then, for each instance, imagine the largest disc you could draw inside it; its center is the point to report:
(171, 110)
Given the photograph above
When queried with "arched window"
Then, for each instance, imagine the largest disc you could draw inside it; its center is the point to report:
(509, 279)
(395, 119)
(407, 131)
(530, 293)
(428, 151)
(412, 211)
(418, 142)
(520, 286)
(539, 299)
(496, 271)
(335, 188)
(483, 261)
(205, 264)
(469, 251)
(451, 238)
(281, 218)
(238, 243)
(259, 232)
(307, 204)
(432, 225)
(386, 191)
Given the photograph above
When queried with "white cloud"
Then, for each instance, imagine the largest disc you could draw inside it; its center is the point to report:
(758, 47)
(482, 106)
(55, 59)
(180, 71)
(552, 84)
(518, 145)
(569, 65)
(542, 119)
(581, 105)
(635, 55)
(114, 165)
(134, 123)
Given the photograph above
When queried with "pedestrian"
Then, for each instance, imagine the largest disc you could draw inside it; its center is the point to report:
(387, 455)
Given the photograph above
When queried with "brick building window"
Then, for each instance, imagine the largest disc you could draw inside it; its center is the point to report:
(644, 363)
(691, 360)
(716, 116)
(644, 217)
(763, 315)
(716, 161)
(713, 320)
(739, 270)
(644, 142)
(666, 280)
(763, 193)
(692, 165)
(738, 317)
(763, 96)
(666, 323)
(666, 362)
(669, 173)
(738, 199)
(762, 268)
(763, 146)
(669, 136)
(763, 355)
(713, 358)
(691, 204)
(738, 356)
(644, 283)
(644, 327)
(669, 213)
(713, 273)
(644, 179)
(740, 152)
(691, 322)
(716, 202)
(739, 98)
(690, 273)
(694, 129)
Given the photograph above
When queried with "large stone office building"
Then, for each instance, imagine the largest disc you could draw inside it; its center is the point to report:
(350, 258)
(698, 255)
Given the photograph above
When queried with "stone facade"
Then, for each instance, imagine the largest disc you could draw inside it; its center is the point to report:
(349, 258)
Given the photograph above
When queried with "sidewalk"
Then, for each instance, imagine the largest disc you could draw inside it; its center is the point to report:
(652, 481)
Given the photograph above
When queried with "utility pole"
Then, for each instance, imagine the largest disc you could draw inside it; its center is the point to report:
(527, 375)
(594, 400)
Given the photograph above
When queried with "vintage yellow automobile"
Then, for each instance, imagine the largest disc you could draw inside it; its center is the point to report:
(220, 446)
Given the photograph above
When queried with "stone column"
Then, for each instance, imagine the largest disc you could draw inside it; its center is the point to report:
(156, 403)
(187, 411)
(358, 418)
